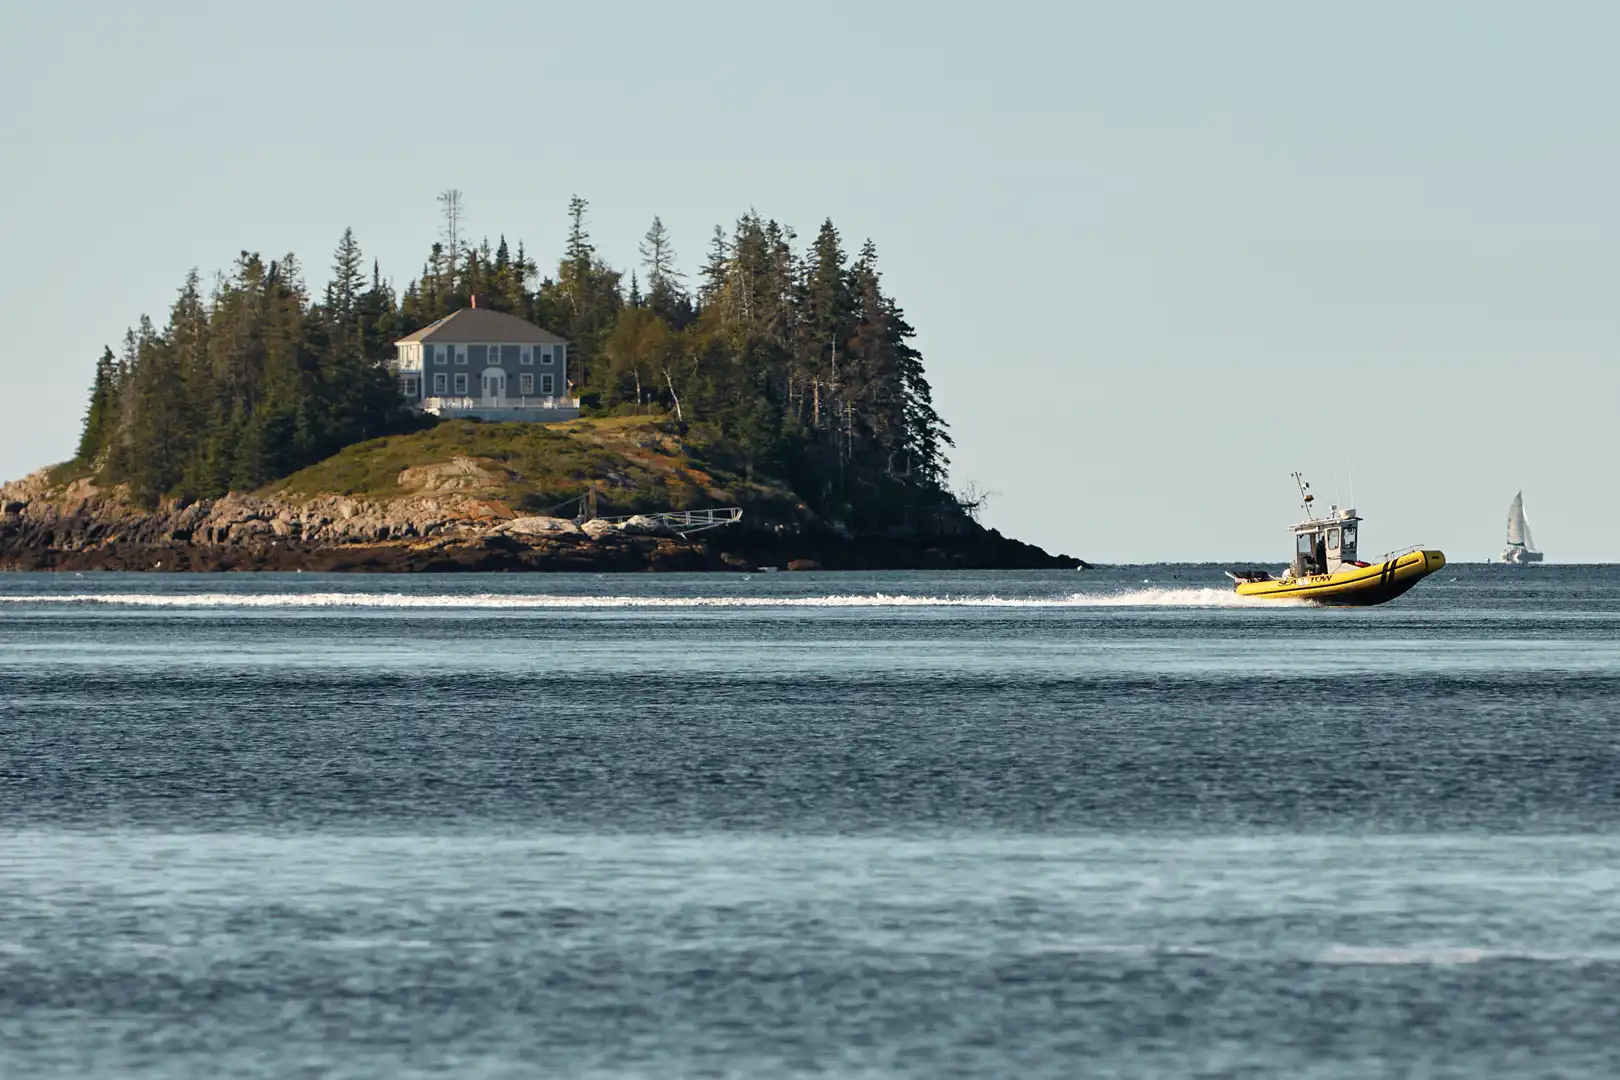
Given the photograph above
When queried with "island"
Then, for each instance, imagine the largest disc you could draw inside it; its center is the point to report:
(774, 416)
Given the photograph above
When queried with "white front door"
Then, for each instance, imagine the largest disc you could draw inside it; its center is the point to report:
(494, 387)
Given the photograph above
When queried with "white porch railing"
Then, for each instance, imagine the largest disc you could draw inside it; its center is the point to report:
(443, 405)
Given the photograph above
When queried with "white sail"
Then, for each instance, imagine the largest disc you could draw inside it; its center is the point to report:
(1524, 524)
(1518, 530)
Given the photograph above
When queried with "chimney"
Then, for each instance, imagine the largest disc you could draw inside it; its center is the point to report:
(475, 300)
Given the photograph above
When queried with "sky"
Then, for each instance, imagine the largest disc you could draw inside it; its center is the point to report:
(1159, 255)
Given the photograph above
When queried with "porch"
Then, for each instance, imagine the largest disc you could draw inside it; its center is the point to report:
(543, 410)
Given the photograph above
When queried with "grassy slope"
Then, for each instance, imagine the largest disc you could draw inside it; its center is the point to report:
(636, 463)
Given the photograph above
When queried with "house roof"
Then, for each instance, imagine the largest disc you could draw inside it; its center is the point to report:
(475, 326)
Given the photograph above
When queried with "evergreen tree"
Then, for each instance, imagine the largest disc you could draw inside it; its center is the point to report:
(100, 416)
(344, 292)
(664, 293)
(585, 297)
(715, 268)
(158, 445)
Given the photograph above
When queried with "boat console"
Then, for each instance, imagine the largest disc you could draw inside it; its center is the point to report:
(1324, 545)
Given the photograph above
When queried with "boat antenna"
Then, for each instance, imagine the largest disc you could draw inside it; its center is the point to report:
(1351, 470)
(1305, 496)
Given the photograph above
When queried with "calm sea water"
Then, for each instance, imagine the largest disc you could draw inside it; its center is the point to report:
(892, 825)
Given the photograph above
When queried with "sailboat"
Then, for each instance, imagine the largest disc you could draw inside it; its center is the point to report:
(1520, 548)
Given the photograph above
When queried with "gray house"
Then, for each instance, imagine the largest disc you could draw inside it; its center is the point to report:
(485, 364)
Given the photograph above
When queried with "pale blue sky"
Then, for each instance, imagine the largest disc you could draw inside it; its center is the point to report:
(1159, 254)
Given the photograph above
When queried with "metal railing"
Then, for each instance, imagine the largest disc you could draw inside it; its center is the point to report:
(685, 522)
(1407, 550)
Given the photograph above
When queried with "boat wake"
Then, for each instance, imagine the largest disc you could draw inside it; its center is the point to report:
(1151, 597)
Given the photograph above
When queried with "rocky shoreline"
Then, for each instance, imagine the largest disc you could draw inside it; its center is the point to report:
(81, 527)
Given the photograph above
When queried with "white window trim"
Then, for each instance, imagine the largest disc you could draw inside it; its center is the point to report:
(545, 356)
(525, 384)
(461, 355)
(461, 383)
(546, 385)
(526, 355)
(441, 382)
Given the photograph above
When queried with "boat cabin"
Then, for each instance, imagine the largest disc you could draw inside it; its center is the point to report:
(1324, 545)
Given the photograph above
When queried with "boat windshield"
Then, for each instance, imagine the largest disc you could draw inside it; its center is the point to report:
(1310, 554)
(1347, 543)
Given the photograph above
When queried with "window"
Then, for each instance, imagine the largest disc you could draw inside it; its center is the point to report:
(439, 355)
(1304, 543)
(461, 354)
(439, 379)
(526, 356)
(545, 383)
(525, 383)
(492, 356)
(1333, 539)
(410, 386)
(1350, 538)
(545, 354)
(461, 382)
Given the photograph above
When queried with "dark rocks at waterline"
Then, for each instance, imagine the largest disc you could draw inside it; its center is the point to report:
(80, 527)
(496, 553)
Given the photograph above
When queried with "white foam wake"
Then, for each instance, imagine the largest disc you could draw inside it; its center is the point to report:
(1171, 598)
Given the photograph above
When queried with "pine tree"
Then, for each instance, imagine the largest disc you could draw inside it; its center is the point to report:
(664, 293)
(344, 292)
(575, 271)
(99, 417)
(715, 268)
(826, 323)
(585, 297)
(158, 447)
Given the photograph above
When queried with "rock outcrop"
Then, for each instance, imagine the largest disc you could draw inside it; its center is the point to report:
(440, 523)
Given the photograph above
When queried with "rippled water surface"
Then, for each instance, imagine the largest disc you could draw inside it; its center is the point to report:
(886, 825)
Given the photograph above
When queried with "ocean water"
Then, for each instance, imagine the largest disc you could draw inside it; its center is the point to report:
(1106, 824)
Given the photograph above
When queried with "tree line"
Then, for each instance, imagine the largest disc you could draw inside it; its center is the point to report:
(781, 362)
(247, 383)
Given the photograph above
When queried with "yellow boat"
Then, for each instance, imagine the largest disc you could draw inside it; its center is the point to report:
(1325, 568)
